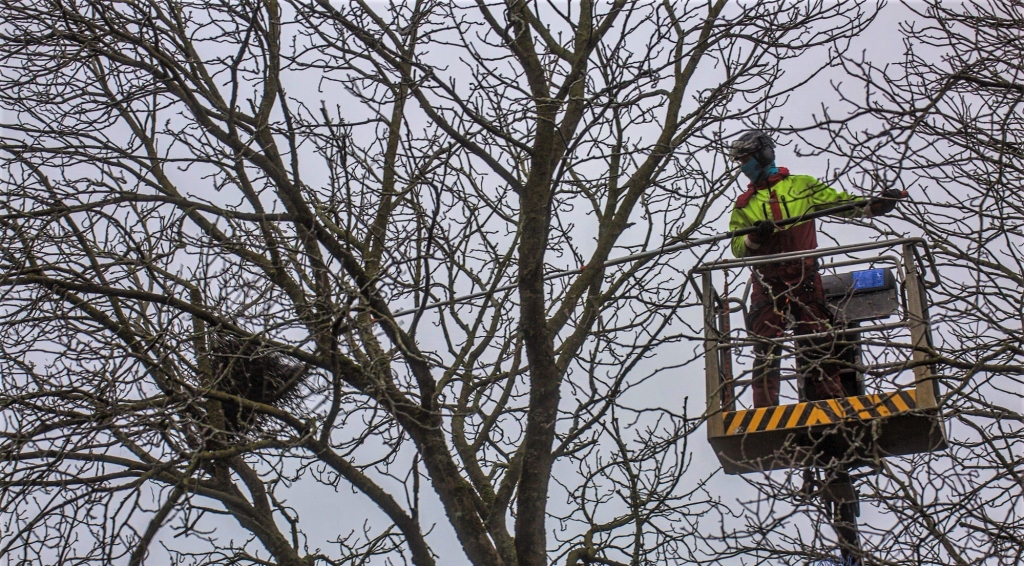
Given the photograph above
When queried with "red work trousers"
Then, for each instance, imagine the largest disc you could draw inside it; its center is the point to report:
(777, 305)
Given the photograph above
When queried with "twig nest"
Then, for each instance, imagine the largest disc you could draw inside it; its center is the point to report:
(244, 369)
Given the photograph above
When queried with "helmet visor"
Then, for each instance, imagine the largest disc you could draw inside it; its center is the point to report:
(740, 158)
(742, 150)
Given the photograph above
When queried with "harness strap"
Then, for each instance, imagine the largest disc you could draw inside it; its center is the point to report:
(773, 202)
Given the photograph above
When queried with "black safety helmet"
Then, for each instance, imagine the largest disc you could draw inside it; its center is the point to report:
(752, 143)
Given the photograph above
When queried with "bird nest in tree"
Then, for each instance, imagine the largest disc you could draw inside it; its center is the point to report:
(243, 369)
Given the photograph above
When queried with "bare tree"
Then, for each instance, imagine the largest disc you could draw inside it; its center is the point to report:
(225, 225)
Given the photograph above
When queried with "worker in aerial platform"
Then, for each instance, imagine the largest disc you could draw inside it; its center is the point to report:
(790, 291)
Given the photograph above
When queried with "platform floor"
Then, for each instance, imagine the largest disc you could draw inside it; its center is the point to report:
(857, 430)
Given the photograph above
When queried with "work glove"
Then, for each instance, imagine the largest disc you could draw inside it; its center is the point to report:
(764, 230)
(885, 202)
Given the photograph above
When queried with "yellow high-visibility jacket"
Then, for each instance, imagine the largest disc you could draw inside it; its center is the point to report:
(785, 196)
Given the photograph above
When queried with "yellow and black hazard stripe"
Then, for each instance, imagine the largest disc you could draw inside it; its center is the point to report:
(829, 411)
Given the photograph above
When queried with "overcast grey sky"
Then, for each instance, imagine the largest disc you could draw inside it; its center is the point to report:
(326, 513)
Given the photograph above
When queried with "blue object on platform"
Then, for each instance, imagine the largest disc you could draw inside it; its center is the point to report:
(868, 279)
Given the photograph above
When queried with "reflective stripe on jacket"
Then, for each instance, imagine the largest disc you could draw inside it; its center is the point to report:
(794, 195)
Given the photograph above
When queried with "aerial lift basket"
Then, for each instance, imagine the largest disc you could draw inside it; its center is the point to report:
(884, 291)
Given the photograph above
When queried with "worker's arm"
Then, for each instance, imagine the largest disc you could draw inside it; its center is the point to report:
(738, 221)
(822, 196)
